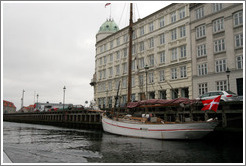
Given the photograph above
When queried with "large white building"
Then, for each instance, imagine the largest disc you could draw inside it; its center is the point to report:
(167, 51)
(217, 46)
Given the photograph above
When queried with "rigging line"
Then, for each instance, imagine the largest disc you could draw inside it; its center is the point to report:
(122, 13)
(137, 10)
(156, 64)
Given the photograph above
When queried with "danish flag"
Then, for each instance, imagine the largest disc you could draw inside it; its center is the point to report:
(211, 104)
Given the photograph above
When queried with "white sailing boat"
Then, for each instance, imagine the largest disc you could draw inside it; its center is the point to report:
(153, 127)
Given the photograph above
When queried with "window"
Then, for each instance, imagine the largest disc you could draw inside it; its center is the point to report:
(124, 82)
(221, 85)
(141, 30)
(174, 73)
(202, 69)
(105, 47)
(124, 66)
(117, 69)
(201, 50)
(173, 17)
(105, 59)
(141, 46)
(200, 13)
(217, 7)
(110, 85)
(134, 36)
(220, 65)
(133, 97)
(239, 40)
(101, 49)
(151, 27)
(151, 42)
(125, 52)
(175, 93)
(174, 54)
(118, 41)
(151, 60)
(111, 44)
(181, 13)
(134, 49)
(238, 18)
(100, 75)
(163, 94)
(185, 92)
(104, 73)
(110, 72)
(162, 38)
(239, 60)
(218, 25)
(141, 81)
(118, 55)
(203, 88)
(162, 22)
(200, 31)
(162, 57)
(183, 51)
(141, 63)
(117, 82)
(174, 34)
(183, 72)
(133, 65)
(219, 45)
(101, 61)
(182, 31)
(133, 81)
(111, 57)
(162, 75)
(151, 77)
(125, 38)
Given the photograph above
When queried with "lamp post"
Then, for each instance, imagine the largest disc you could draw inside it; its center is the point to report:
(64, 96)
(228, 76)
(146, 67)
(37, 101)
(22, 99)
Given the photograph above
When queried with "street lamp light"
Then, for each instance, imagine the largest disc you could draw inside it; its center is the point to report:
(146, 67)
(228, 76)
(64, 96)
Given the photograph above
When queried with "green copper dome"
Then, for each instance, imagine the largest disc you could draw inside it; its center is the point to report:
(109, 26)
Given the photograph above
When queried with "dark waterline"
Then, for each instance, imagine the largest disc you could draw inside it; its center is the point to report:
(31, 143)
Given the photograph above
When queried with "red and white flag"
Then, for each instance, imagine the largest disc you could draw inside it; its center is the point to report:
(107, 4)
(211, 104)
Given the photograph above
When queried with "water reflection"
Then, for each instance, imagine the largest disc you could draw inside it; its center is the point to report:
(28, 143)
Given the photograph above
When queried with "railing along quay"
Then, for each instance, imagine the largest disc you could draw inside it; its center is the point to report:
(68, 118)
(229, 114)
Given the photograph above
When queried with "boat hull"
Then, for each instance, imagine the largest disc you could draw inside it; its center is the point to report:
(159, 131)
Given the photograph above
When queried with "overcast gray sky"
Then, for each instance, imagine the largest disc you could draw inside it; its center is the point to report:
(47, 46)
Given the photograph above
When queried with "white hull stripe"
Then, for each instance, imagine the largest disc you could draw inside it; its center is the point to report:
(131, 128)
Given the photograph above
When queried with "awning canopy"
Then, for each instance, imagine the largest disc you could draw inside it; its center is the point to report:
(162, 102)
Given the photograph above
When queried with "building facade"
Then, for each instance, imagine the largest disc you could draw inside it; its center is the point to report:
(182, 50)
(217, 47)
(8, 107)
(161, 58)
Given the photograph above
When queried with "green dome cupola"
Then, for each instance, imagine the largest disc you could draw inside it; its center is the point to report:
(109, 26)
(106, 29)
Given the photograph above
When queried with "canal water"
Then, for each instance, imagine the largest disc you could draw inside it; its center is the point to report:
(32, 143)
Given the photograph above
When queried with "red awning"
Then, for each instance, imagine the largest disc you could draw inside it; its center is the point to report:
(161, 102)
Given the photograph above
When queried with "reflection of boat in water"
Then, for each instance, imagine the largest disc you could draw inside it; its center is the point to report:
(153, 127)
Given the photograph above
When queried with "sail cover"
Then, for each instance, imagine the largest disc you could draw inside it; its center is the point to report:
(161, 102)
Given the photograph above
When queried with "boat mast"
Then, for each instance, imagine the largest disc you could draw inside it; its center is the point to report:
(130, 58)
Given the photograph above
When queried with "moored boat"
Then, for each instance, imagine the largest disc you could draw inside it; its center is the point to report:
(154, 127)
